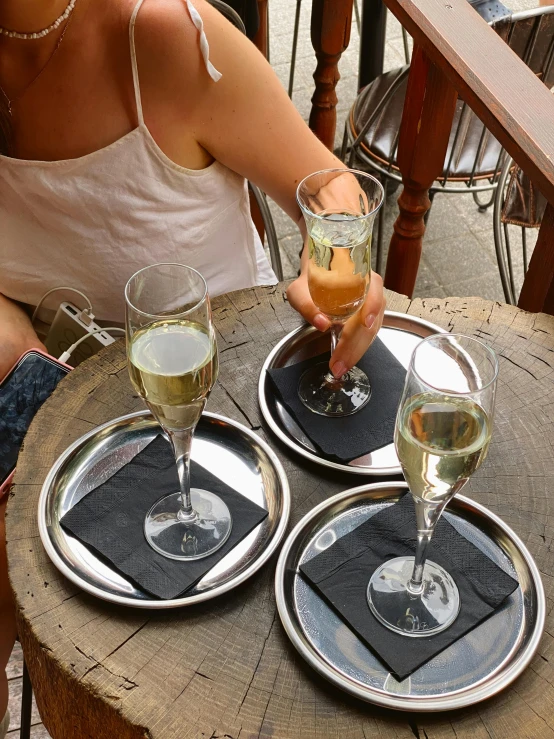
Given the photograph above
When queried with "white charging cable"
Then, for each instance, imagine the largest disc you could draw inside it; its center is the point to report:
(109, 329)
(86, 315)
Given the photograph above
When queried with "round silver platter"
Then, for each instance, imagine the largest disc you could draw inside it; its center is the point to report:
(400, 333)
(475, 667)
(226, 448)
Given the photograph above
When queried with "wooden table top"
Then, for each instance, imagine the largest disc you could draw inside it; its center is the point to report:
(225, 669)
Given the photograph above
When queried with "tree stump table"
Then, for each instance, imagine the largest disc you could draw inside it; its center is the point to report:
(225, 669)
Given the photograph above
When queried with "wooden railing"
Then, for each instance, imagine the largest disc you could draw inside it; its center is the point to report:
(455, 53)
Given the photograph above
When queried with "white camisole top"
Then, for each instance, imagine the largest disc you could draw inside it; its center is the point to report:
(91, 222)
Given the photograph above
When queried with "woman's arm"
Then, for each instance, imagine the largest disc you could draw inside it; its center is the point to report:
(247, 122)
(16, 334)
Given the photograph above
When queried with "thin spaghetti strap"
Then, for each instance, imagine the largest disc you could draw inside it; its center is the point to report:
(204, 46)
(136, 82)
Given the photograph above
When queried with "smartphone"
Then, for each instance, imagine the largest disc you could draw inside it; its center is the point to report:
(23, 390)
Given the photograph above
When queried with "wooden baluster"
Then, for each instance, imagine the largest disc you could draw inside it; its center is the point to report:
(260, 39)
(537, 293)
(331, 23)
(426, 123)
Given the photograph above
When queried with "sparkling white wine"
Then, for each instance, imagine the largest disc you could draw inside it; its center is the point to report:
(173, 366)
(339, 267)
(440, 441)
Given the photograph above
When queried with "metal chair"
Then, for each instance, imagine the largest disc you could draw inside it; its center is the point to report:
(474, 158)
(259, 196)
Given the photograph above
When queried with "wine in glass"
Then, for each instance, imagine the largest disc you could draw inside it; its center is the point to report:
(442, 435)
(339, 207)
(172, 358)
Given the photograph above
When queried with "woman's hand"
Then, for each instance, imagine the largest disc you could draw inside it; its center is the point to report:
(358, 332)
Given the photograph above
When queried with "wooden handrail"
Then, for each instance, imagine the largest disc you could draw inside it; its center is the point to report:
(489, 76)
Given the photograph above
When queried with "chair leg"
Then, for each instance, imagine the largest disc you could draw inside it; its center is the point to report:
(357, 15)
(379, 253)
(344, 147)
(483, 207)
(406, 45)
(26, 705)
(269, 227)
(294, 46)
(432, 194)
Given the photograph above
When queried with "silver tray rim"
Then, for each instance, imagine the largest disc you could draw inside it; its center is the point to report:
(298, 448)
(483, 689)
(233, 582)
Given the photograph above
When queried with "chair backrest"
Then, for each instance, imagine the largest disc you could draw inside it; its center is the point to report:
(229, 13)
(530, 35)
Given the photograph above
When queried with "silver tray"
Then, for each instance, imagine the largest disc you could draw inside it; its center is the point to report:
(226, 448)
(475, 667)
(400, 333)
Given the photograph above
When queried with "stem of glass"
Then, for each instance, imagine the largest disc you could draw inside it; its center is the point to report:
(181, 441)
(336, 329)
(427, 515)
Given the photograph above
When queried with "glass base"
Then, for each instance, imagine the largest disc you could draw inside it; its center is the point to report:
(423, 615)
(334, 397)
(198, 537)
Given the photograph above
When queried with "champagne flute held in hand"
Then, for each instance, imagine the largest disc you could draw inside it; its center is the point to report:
(339, 207)
(172, 358)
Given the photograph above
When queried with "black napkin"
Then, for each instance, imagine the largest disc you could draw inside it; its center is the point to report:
(352, 436)
(110, 520)
(342, 572)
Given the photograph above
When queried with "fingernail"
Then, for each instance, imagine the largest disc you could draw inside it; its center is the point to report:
(320, 322)
(370, 320)
(338, 369)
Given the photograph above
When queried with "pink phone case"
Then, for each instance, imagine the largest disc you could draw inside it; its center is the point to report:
(5, 486)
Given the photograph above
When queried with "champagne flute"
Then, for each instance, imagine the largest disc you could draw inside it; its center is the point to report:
(339, 207)
(172, 359)
(442, 435)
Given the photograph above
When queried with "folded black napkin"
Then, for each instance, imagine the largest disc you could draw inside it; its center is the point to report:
(110, 520)
(349, 437)
(342, 572)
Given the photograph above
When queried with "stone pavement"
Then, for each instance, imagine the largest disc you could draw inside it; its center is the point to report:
(458, 251)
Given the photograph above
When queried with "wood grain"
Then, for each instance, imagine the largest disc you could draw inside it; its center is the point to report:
(225, 670)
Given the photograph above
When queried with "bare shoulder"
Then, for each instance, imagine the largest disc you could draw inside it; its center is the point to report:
(168, 49)
(168, 39)
(164, 23)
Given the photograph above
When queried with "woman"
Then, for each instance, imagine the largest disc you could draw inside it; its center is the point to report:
(127, 142)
